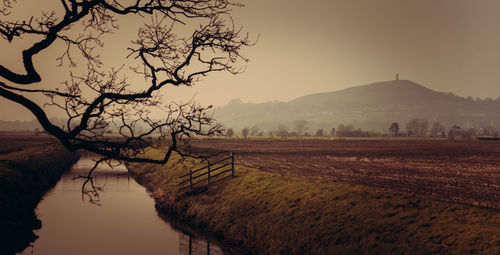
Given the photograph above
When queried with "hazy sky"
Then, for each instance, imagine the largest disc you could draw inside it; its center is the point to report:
(316, 46)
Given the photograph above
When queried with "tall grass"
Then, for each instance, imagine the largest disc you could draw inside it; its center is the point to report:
(268, 213)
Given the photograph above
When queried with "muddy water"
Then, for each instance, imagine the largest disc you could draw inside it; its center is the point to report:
(126, 222)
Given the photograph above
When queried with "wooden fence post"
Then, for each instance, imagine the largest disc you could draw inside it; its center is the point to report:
(208, 172)
(232, 164)
(190, 178)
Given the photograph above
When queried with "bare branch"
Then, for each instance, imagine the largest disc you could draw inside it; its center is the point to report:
(5, 6)
(105, 113)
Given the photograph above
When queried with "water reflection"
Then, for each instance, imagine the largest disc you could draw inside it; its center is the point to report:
(126, 223)
(189, 245)
(110, 182)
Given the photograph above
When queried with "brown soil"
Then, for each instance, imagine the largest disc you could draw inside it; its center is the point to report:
(459, 171)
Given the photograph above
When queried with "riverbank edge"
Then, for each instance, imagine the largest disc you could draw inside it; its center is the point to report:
(266, 213)
(27, 176)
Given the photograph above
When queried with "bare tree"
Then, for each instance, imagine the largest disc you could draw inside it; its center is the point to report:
(454, 131)
(394, 128)
(229, 132)
(98, 101)
(282, 131)
(254, 131)
(270, 133)
(417, 127)
(244, 132)
(300, 126)
(332, 132)
(437, 129)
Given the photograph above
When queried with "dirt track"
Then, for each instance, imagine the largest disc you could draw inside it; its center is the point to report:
(465, 171)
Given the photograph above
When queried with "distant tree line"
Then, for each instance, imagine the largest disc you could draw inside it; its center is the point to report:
(421, 128)
(417, 127)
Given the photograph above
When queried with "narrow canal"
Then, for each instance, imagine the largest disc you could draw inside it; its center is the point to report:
(126, 222)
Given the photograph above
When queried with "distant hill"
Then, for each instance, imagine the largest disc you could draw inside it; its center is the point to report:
(370, 107)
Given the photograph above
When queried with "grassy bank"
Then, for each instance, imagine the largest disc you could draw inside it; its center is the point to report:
(28, 169)
(267, 213)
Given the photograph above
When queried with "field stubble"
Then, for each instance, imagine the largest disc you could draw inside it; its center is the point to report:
(458, 171)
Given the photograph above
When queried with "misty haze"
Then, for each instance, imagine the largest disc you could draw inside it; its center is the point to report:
(250, 127)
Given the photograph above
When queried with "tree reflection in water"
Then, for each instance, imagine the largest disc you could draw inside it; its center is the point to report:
(115, 178)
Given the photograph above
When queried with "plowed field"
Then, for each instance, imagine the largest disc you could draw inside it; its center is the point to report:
(459, 171)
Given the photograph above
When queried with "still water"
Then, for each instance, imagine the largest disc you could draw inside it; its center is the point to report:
(125, 223)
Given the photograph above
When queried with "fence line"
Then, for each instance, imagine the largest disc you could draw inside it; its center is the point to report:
(213, 170)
